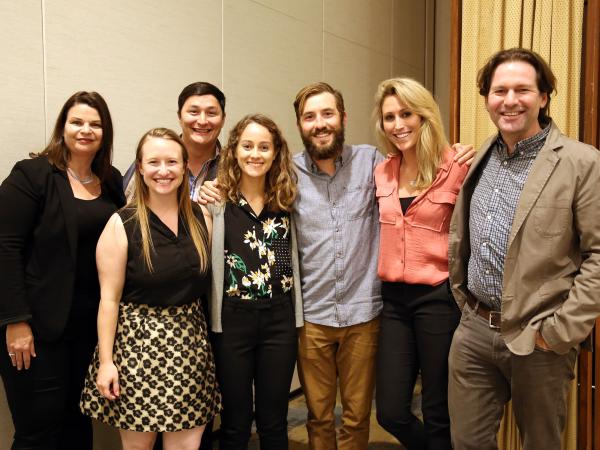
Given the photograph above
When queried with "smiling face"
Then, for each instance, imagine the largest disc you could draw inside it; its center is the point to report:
(514, 101)
(161, 166)
(255, 153)
(400, 125)
(201, 120)
(322, 127)
(83, 130)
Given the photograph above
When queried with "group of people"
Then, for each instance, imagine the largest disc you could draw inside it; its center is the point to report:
(478, 271)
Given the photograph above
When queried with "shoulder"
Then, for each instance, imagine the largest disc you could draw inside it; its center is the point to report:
(385, 167)
(30, 175)
(114, 183)
(299, 160)
(456, 171)
(576, 150)
(216, 209)
(365, 151)
(38, 167)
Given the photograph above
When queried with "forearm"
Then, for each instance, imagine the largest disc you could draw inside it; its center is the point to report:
(108, 313)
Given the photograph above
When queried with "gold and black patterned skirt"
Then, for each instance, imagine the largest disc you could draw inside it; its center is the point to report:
(166, 371)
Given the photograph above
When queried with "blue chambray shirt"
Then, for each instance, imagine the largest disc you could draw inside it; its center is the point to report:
(337, 224)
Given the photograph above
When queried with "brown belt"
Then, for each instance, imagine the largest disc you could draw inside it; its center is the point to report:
(493, 318)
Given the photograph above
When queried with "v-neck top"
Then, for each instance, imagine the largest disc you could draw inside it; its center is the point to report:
(92, 216)
(258, 258)
(176, 278)
(413, 245)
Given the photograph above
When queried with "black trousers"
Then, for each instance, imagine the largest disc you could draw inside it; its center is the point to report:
(258, 347)
(44, 400)
(417, 324)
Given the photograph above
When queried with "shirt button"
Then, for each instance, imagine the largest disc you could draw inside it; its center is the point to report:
(484, 245)
(487, 271)
(489, 216)
(337, 230)
(496, 190)
(504, 163)
(339, 255)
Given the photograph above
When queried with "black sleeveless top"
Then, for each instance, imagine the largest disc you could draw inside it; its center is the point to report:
(176, 278)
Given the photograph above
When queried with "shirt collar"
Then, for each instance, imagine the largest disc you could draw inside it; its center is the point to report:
(532, 144)
(339, 160)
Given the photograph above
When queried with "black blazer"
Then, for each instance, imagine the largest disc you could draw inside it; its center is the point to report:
(38, 245)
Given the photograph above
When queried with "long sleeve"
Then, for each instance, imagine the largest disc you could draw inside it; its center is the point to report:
(21, 200)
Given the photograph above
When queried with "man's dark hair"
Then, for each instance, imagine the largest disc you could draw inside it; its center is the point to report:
(546, 81)
(200, 88)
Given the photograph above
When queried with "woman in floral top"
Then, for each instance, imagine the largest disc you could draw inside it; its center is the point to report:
(255, 300)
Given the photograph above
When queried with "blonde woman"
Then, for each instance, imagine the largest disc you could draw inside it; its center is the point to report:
(256, 303)
(153, 370)
(416, 190)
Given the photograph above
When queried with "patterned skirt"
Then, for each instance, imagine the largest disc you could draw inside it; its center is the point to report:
(166, 371)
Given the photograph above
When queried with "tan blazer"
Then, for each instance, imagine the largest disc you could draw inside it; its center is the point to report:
(552, 267)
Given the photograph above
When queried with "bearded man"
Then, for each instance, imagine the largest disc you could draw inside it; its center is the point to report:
(338, 238)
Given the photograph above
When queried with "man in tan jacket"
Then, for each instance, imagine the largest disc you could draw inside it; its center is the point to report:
(524, 259)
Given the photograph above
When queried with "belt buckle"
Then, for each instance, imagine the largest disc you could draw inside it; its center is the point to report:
(492, 319)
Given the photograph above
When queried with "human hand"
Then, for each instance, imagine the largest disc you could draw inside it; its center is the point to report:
(209, 192)
(19, 344)
(107, 381)
(465, 153)
(541, 342)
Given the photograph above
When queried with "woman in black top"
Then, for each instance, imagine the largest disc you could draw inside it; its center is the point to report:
(53, 208)
(154, 371)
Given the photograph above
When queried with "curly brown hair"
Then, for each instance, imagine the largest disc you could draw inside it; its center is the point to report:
(281, 180)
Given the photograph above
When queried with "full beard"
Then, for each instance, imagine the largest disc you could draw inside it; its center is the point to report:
(332, 150)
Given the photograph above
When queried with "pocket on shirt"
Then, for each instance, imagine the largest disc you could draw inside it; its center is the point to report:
(551, 221)
(359, 200)
(385, 200)
(435, 210)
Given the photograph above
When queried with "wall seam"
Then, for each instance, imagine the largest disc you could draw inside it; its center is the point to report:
(392, 34)
(223, 45)
(44, 69)
(323, 40)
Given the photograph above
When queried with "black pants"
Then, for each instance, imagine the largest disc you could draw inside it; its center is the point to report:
(258, 346)
(44, 400)
(417, 324)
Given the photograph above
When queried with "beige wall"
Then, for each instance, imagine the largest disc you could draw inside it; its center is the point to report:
(139, 55)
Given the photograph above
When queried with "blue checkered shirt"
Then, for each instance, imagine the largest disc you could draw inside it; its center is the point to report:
(493, 206)
(337, 224)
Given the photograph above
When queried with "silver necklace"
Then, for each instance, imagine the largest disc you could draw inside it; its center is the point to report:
(86, 180)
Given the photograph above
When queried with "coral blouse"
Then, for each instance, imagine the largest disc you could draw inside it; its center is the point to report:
(413, 247)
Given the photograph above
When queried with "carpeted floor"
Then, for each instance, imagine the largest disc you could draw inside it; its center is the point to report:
(379, 439)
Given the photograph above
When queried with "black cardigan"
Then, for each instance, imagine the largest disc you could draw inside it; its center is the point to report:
(38, 245)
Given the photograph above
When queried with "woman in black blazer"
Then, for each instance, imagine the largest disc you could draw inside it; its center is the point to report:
(53, 208)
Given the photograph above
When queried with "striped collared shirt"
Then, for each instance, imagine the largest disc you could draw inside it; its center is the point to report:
(338, 237)
(493, 206)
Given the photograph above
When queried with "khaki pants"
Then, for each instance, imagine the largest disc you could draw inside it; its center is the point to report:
(484, 375)
(324, 354)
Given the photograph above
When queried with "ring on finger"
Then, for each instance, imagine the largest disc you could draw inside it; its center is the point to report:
(11, 354)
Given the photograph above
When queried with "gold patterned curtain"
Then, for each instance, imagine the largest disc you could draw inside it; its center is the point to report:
(554, 29)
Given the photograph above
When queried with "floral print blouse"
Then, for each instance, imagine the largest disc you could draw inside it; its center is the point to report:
(258, 259)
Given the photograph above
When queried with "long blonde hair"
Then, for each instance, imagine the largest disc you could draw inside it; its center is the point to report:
(281, 180)
(431, 139)
(139, 202)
